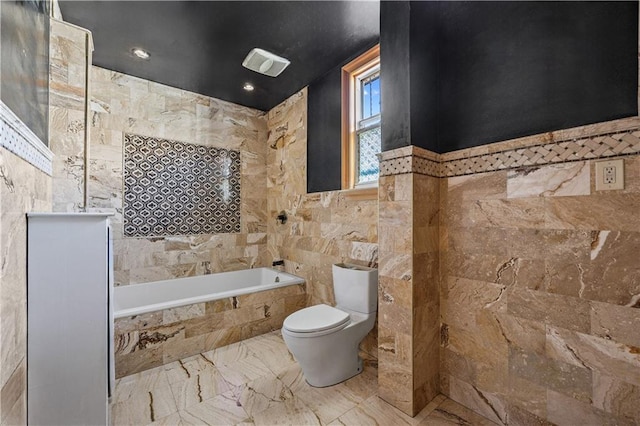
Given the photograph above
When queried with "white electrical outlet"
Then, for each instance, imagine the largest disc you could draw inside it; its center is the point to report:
(609, 175)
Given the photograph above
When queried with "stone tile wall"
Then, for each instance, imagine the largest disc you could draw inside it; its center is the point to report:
(67, 94)
(322, 228)
(540, 292)
(124, 104)
(148, 340)
(23, 188)
(539, 284)
(408, 291)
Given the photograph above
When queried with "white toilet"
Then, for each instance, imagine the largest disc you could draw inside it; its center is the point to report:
(324, 340)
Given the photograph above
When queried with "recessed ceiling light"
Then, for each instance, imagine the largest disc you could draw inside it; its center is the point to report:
(140, 53)
(248, 87)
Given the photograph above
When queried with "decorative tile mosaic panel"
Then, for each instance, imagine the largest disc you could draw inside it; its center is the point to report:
(175, 188)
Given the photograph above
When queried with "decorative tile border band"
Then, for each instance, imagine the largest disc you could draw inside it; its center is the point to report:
(427, 163)
(16, 137)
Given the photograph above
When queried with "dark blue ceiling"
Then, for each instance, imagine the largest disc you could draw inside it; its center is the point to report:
(199, 46)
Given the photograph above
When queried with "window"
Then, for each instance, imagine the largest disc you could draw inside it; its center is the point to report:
(361, 107)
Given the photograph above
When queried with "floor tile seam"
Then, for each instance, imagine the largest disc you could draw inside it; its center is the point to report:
(175, 401)
(186, 411)
(293, 396)
(294, 401)
(224, 376)
(243, 355)
(246, 354)
(340, 387)
(230, 386)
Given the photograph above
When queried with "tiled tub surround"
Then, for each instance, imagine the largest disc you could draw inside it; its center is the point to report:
(175, 188)
(322, 228)
(124, 104)
(156, 338)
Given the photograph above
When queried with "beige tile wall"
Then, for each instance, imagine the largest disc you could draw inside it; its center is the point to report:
(23, 188)
(120, 104)
(322, 228)
(124, 104)
(539, 281)
(540, 293)
(67, 94)
(408, 291)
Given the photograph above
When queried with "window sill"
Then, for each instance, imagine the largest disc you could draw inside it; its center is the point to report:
(361, 194)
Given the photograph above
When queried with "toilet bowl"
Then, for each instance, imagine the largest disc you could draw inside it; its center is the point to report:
(323, 339)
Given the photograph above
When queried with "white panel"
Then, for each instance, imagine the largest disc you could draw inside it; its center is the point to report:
(68, 327)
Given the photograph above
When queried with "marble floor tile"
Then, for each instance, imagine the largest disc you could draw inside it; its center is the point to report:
(364, 385)
(329, 403)
(450, 412)
(373, 411)
(170, 420)
(187, 368)
(201, 386)
(139, 383)
(257, 382)
(291, 412)
(269, 348)
(221, 410)
(229, 353)
(262, 394)
(144, 407)
(243, 371)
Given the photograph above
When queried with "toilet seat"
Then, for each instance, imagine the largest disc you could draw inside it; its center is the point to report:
(316, 321)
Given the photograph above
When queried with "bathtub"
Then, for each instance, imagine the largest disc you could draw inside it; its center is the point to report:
(139, 299)
(164, 321)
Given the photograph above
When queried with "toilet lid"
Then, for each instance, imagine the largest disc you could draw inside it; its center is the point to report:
(315, 318)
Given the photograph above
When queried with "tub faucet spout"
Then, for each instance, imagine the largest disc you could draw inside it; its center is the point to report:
(277, 263)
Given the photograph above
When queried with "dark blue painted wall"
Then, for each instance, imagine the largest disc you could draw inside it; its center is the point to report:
(462, 74)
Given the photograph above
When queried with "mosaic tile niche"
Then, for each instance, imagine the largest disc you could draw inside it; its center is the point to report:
(175, 188)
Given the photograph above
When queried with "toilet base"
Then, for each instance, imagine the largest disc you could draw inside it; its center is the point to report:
(325, 360)
(332, 358)
(322, 384)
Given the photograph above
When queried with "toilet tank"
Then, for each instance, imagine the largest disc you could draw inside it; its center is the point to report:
(356, 287)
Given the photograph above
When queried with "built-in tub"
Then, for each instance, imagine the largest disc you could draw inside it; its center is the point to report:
(155, 296)
(160, 322)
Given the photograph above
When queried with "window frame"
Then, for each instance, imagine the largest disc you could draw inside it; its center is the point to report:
(359, 68)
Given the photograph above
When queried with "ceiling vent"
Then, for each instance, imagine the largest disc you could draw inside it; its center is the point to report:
(264, 62)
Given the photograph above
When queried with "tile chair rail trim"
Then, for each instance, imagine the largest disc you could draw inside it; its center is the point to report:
(420, 161)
